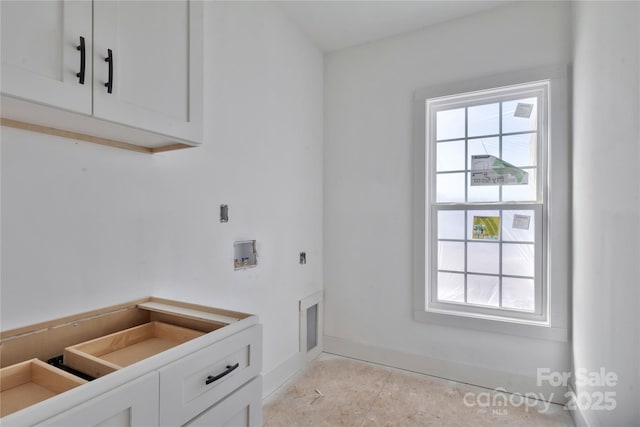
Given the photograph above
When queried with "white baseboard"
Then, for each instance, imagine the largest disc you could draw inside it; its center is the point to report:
(483, 377)
(282, 373)
(578, 416)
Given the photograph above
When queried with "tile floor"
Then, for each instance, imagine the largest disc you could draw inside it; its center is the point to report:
(336, 391)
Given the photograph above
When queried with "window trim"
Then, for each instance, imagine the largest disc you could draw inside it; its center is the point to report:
(554, 243)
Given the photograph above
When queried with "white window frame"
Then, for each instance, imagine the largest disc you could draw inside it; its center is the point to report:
(540, 91)
(550, 317)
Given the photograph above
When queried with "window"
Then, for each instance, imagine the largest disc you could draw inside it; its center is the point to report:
(486, 200)
(483, 187)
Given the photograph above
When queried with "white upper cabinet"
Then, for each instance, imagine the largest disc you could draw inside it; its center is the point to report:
(40, 55)
(143, 70)
(150, 56)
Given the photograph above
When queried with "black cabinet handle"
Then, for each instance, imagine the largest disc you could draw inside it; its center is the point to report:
(227, 371)
(109, 59)
(83, 60)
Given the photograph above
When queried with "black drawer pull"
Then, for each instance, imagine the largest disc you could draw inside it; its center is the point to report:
(83, 60)
(109, 59)
(227, 371)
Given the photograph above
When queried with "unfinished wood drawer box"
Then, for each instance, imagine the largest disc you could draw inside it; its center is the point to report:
(30, 382)
(106, 354)
(187, 386)
(177, 347)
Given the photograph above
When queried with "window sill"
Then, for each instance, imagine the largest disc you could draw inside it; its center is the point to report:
(510, 327)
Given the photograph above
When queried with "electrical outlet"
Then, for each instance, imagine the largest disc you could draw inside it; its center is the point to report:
(303, 257)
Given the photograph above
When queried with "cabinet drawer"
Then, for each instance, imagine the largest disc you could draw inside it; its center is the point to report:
(243, 408)
(131, 405)
(193, 384)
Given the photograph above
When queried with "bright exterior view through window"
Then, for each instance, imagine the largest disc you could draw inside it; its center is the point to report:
(485, 202)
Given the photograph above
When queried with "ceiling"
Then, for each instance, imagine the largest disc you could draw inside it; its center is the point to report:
(334, 25)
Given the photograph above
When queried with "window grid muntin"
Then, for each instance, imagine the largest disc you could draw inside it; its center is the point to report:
(500, 242)
(539, 90)
(539, 298)
(500, 186)
(493, 135)
(500, 136)
(468, 309)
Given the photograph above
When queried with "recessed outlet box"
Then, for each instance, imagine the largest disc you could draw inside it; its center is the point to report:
(244, 254)
(224, 213)
(303, 257)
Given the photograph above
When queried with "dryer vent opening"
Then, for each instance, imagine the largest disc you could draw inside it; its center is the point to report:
(312, 327)
(311, 323)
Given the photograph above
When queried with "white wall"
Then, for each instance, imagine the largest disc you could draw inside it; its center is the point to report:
(606, 202)
(368, 190)
(85, 226)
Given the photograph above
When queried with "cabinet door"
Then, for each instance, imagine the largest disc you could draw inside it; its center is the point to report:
(156, 60)
(132, 404)
(243, 408)
(40, 58)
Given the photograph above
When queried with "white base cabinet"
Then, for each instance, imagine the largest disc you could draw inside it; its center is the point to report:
(202, 370)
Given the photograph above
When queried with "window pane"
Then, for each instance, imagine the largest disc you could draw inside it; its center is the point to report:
(450, 124)
(518, 226)
(482, 193)
(483, 120)
(520, 115)
(451, 287)
(450, 156)
(518, 293)
(451, 256)
(518, 259)
(521, 193)
(450, 187)
(482, 146)
(477, 213)
(451, 225)
(483, 257)
(520, 150)
(483, 290)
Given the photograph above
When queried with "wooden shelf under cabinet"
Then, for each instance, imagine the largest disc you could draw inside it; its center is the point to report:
(109, 353)
(30, 382)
